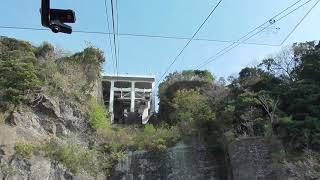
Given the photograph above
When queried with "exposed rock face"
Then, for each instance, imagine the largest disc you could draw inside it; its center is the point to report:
(97, 90)
(250, 160)
(305, 167)
(187, 160)
(50, 117)
(64, 116)
(40, 168)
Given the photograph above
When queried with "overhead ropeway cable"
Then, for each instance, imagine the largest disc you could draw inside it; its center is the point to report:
(118, 42)
(137, 35)
(269, 21)
(108, 30)
(114, 37)
(299, 23)
(187, 44)
(256, 31)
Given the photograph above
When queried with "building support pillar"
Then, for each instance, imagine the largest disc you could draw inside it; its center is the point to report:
(153, 100)
(111, 102)
(133, 97)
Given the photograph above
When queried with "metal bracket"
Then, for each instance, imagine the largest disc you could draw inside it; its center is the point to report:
(55, 18)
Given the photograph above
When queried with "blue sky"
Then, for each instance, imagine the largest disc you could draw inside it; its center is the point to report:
(180, 18)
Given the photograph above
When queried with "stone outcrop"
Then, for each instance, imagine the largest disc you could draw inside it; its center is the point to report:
(250, 160)
(305, 167)
(48, 118)
(188, 160)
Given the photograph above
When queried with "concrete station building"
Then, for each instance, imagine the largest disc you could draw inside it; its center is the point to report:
(129, 97)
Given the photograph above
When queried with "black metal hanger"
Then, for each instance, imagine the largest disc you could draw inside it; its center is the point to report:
(55, 18)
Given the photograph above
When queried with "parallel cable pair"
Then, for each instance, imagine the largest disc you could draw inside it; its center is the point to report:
(270, 22)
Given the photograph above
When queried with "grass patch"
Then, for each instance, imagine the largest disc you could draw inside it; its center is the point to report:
(7, 170)
(98, 116)
(148, 138)
(116, 139)
(156, 139)
(2, 118)
(72, 156)
(76, 158)
(24, 150)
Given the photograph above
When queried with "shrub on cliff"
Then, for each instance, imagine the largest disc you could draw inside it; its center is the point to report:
(89, 61)
(17, 79)
(72, 77)
(191, 110)
(2, 118)
(24, 150)
(14, 45)
(98, 116)
(72, 156)
(24, 68)
(7, 170)
(116, 139)
(156, 139)
(185, 80)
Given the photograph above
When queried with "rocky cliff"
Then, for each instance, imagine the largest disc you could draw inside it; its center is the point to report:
(250, 160)
(44, 110)
(51, 117)
(188, 160)
(255, 158)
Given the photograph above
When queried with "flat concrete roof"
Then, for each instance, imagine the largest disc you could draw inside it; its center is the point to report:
(128, 77)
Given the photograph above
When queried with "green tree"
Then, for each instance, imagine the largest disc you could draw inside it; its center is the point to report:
(188, 80)
(17, 79)
(280, 96)
(191, 109)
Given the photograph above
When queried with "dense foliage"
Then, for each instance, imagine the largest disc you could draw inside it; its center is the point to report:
(174, 82)
(279, 97)
(27, 71)
(119, 139)
(18, 72)
(191, 110)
